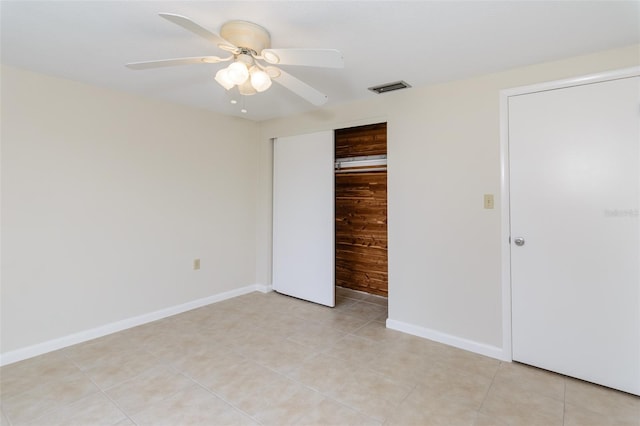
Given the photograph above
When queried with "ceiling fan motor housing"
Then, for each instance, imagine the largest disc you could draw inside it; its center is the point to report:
(246, 34)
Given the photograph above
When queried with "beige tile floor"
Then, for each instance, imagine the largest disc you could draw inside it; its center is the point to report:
(273, 360)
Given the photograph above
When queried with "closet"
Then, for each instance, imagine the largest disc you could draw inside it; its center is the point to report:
(361, 208)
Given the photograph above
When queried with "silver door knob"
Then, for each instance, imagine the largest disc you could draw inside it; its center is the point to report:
(519, 241)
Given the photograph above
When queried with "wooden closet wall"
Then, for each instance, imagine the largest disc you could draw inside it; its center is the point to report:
(361, 213)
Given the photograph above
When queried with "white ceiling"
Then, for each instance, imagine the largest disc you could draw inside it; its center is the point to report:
(421, 42)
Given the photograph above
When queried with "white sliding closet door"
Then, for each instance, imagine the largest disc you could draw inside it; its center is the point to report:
(304, 217)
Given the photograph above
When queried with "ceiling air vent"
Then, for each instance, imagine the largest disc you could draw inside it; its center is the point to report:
(389, 87)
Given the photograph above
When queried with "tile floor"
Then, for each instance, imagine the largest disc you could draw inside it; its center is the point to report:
(269, 359)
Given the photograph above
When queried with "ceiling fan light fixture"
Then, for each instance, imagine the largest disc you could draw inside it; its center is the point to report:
(246, 88)
(250, 51)
(238, 73)
(259, 79)
(222, 77)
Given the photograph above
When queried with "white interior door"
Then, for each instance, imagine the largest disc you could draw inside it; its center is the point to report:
(304, 217)
(575, 189)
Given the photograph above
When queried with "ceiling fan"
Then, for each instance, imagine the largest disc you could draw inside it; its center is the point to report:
(252, 59)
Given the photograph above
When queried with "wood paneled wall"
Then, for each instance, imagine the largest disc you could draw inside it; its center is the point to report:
(361, 214)
(361, 231)
(362, 140)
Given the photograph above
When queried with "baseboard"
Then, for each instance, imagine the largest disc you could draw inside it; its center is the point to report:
(447, 339)
(264, 288)
(83, 336)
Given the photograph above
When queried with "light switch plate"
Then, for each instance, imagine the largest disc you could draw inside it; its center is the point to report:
(488, 201)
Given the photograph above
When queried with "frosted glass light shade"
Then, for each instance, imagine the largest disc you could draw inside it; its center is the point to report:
(222, 77)
(260, 80)
(246, 88)
(238, 73)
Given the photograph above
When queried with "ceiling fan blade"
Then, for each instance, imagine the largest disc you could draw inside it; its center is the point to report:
(299, 87)
(176, 61)
(189, 25)
(328, 58)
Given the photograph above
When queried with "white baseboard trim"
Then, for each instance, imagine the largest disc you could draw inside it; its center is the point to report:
(83, 336)
(447, 339)
(264, 288)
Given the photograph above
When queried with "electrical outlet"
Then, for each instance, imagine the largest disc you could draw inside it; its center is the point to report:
(488, 201)
(196, 264)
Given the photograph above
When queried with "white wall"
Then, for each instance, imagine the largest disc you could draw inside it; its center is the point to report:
(443, 155)
(106, 200)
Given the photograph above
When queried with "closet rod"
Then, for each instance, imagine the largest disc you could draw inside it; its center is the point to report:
(362, 170)
(360, 162)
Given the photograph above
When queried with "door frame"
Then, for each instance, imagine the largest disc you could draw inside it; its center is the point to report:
(505, 208)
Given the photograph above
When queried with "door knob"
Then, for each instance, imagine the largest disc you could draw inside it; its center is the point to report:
(519, 241)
